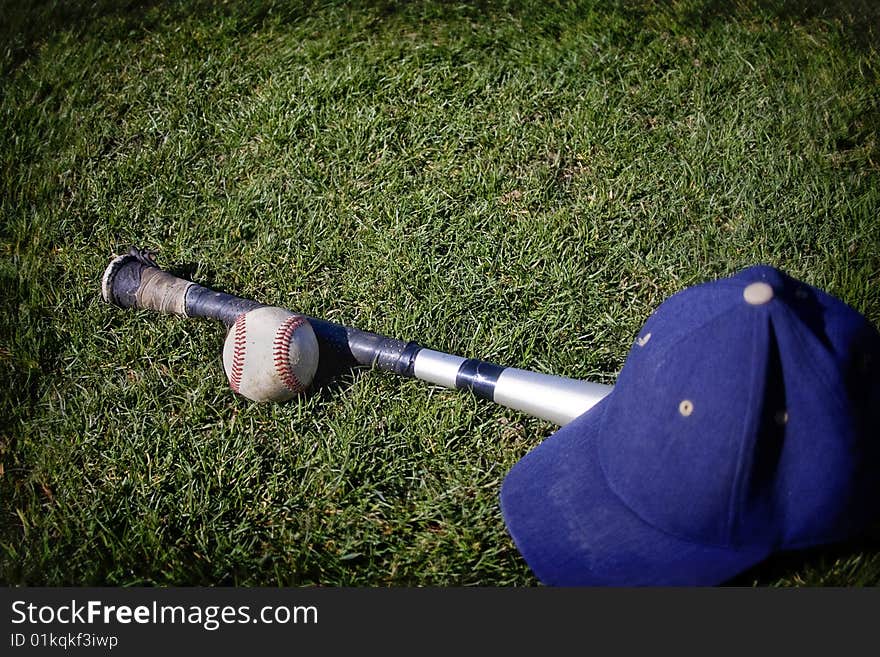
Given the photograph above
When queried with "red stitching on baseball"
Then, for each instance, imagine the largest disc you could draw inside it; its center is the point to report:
(281, 352)
(238, 350)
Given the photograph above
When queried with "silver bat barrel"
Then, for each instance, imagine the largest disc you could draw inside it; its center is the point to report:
(546, 396)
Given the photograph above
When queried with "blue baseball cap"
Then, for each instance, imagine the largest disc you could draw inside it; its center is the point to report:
(745, 421)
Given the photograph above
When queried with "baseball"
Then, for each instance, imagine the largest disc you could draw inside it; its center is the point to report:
(270, 354)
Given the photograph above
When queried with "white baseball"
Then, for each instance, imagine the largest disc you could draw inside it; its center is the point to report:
(270, 354)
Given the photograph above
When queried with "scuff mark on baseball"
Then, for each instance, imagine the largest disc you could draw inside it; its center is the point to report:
(270, 354)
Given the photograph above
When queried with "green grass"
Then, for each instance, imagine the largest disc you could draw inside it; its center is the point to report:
(519, 182)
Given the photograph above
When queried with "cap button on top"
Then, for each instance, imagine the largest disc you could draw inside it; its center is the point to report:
(757, 293)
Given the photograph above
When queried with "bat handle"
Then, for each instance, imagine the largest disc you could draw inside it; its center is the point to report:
(134, 280)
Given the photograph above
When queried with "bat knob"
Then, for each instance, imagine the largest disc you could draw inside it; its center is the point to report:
(140, 257)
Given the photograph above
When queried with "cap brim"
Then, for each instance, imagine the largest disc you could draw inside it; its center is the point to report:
(573, 530)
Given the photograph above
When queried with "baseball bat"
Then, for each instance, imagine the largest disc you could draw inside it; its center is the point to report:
(134, 280)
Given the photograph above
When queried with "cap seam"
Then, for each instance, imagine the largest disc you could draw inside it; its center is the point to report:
(625, 504)
(809, 361)
(750, 425)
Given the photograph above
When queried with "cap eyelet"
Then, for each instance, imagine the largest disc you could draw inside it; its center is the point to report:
(686, 407)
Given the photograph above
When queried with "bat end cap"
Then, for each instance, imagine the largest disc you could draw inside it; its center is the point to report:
(144, 256)
(109, 274)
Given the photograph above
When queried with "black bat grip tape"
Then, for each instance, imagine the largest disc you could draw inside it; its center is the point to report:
(205, 302)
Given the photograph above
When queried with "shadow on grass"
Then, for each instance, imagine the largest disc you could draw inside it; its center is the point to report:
(27, 24)
(30, 347)
(809, 567)
(27, 350)
(859, 19)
